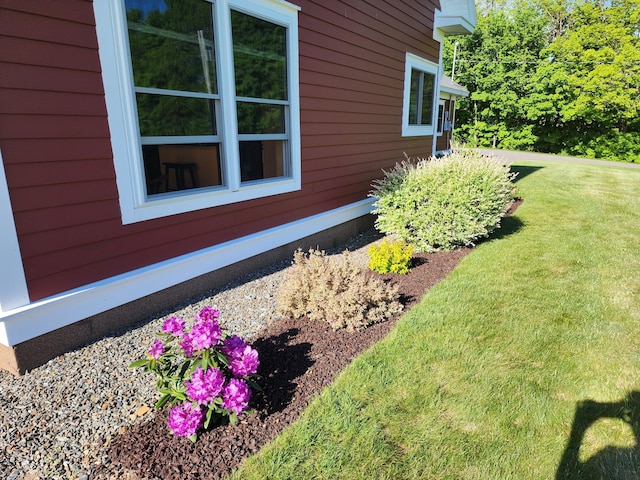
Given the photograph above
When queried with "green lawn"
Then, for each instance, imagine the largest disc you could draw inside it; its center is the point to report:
(491, 373)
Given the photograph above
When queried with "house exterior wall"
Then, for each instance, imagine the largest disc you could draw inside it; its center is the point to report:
(82, 266)
(57, 153)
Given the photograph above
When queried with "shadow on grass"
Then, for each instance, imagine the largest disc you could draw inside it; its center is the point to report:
(523, 171)
(508, 226)
(612, 462)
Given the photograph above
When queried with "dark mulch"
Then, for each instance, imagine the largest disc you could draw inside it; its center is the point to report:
(298, 358)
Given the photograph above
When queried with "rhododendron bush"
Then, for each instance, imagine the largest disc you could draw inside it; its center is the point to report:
(204, 375)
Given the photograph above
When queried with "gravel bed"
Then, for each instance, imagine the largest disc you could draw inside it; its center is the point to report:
(58, 420)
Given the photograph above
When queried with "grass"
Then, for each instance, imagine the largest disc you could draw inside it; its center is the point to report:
(522, 364)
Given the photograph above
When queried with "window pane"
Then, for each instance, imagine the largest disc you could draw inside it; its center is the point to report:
(181, 167)
(260, 57)
(413, 97)
(172, 44)
(260, 118)
(427, 99)
(163, 115)
(262, 159)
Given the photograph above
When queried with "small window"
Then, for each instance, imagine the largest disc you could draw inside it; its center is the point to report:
(441, 116)
(203, 101)
(419, 96)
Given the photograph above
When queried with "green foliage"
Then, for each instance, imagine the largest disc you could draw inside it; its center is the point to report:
(390, 257)
(495, 64)
(552, 75)
(335, 290)
(442, 203)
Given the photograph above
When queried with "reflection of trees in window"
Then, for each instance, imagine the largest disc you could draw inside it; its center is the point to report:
(260, 63)
(166, 51)
(163, 115)
(421, 97)
(172, 50)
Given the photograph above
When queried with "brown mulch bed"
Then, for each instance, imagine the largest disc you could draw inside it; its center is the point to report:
(298, 358)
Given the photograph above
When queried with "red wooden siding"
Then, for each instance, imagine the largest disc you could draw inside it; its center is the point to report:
(55, 140)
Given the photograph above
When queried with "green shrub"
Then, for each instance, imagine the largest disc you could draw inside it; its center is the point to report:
(335, 290)
(442, 203)
(394, 257)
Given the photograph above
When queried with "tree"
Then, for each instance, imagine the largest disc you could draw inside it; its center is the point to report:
(553, 76)
(590, 84)
(496, 64)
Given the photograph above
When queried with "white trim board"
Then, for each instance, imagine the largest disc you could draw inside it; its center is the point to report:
(30, 321)
(13, 284)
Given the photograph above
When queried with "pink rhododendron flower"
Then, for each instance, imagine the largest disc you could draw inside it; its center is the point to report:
(204, 387)
(187, 347)
(232, 345)
(204, 334)
(236, 395)
(207, 313)
(185, 419)
(174, 326)
(157, 349)
(244, 362)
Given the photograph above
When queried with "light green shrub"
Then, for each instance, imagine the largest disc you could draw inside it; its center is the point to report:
(335, 290)
(390, 256)
(442, 203)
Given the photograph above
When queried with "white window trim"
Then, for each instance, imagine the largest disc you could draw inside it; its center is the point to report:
(413, 61)
(117, 77)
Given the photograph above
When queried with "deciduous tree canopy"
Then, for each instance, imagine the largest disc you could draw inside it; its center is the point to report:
(555, 76)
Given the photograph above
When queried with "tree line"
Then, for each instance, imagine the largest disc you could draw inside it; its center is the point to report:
(555, 76)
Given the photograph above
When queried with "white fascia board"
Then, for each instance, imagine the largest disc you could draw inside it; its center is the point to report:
(43, 316)
(454, 92)
(13, 285)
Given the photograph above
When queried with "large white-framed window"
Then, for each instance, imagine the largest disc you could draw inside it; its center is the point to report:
(203, 101)
(419, 105)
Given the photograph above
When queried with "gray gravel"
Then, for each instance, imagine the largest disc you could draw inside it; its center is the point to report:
(59, 419)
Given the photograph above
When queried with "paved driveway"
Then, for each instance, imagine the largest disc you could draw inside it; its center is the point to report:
(513, 156)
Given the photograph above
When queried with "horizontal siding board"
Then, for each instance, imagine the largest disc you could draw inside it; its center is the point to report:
(42, 220)
(31, 102)
(26, 175)
(111, 246)
(46, 29)
(316, 57)
(34, 52)
(363, 84)
(349, 169)
(73, 10)
(36, 77)
(353, 96)
(45, 150)
(52, 126)
(386, 153)
(347, 129)
(49, 196)
(334, 17)
(312, 140)
(366, 111)
(280, 217)
(319, 32)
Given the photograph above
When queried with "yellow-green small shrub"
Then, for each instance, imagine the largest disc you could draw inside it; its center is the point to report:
(335, 290)
(390, 257)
